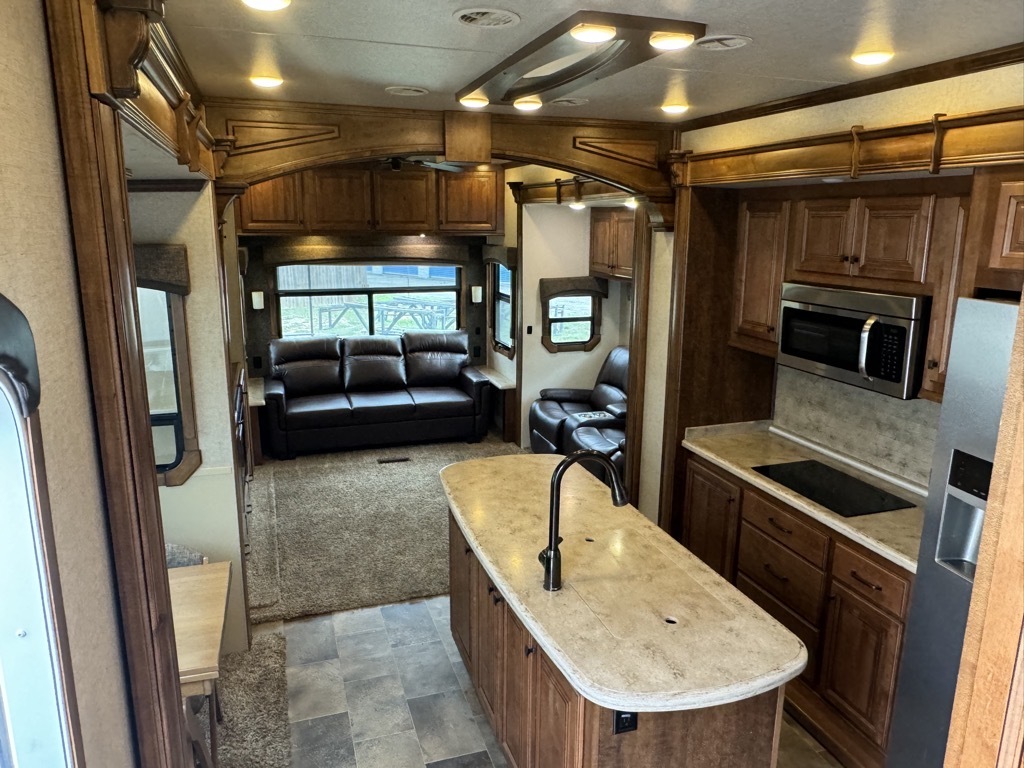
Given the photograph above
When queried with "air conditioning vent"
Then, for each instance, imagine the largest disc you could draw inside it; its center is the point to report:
(406, 90)
(487, 18)
(722, 42)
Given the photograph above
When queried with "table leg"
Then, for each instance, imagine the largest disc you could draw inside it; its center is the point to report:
(200, 754)
(215, 717)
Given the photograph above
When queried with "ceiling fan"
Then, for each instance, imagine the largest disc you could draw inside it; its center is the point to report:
(423, 161)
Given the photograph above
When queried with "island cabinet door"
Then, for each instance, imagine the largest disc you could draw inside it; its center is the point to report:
(520, 663)
(460, 578)
(557, 722)
(711, 518)
(488, 634)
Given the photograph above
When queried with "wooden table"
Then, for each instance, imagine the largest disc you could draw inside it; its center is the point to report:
(506, 402)
(199, 598)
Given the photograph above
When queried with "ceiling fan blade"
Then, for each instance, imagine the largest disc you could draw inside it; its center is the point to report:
(441, 166)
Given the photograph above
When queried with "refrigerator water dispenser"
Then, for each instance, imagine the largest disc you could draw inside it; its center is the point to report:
(963, 513)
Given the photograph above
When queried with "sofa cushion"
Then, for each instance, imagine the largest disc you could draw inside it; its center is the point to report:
(373, 364)
(318, 411)
(381, 407)
(441, 402)
(434, 358)
(307, 366)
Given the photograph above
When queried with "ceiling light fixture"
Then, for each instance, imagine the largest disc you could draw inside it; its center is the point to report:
(474, 102)
(670, 41)
(265, 81)
(631, 202)
(872, 58)
(593, 33)
(528, 104)
(674, 109)
(268, 5)
(577, 205)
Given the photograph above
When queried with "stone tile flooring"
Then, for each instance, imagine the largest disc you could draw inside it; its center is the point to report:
(385, 688)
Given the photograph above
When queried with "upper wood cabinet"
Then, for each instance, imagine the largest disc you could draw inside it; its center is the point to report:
(404, 201)
(471, 201)
(338, 198)
(878, 238)
(612, 241)
(1008, 243)
(994, 253)
(711, 517)
(274, 206)
(760, 261)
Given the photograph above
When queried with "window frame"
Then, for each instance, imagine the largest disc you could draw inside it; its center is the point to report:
(594, 318)
(493, 300)
(369, 293)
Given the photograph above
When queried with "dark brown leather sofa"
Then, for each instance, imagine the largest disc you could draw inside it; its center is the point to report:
(339, 393)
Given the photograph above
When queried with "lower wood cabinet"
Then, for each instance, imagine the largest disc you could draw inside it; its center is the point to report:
(557, 718)
(461, 569)
(521, 653)
(488, 629)
(711, 517)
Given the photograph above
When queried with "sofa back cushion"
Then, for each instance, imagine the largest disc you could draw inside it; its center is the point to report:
(373, 363)
(434, 358)
(612, 379)
(307, 366)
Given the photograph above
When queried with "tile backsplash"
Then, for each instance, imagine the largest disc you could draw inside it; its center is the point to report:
(897, 436)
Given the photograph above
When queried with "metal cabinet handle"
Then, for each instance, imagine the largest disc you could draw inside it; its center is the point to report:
(865, 582)
(771, 571)
(530, 649)
(933, 364)
(778, 526)
(862, 353)
(498, 599)
(844, 258)
(468, 550)
(490, 590)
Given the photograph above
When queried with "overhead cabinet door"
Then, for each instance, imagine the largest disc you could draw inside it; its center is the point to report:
(892, 237)
(404, 201)
(339, 199)
(274, 205)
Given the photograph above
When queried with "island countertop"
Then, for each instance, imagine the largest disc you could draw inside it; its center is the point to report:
(640, 623)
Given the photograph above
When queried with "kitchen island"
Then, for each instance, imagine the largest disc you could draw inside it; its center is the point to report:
(645, 657)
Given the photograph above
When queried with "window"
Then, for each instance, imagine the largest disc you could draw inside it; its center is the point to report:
(571, 309)
(376, 299)
(502, 312)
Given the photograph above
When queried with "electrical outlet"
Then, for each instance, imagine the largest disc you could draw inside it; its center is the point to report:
(624, 722)
(529, 330)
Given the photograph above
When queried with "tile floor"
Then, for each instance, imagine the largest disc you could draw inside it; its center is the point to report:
(385, 688)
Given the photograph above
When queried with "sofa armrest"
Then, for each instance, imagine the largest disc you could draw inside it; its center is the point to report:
(474, 384)
(273, 393)
(618, 410)
(563, 395)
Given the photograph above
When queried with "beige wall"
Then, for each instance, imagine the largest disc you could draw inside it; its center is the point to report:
(37, 273)
(202, 513)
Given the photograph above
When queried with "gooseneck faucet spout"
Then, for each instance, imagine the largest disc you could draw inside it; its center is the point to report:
(550, 557)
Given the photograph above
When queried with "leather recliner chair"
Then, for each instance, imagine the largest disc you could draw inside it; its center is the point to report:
(553, 417)
(611, 441)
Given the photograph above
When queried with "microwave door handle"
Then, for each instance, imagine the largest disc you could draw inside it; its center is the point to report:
(862, 353)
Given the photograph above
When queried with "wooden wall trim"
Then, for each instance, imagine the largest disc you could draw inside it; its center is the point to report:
(638, 352)
(962, 65)
(981, 138)
(94, 169)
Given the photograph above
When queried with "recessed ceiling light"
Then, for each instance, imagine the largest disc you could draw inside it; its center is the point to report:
(593, 33)
(406, 90)
(674, 109)
(670, 41)
(722, 42)
(630, 202)
(528, 103)
(569, 101)
(872, 58)
(577, 205)
(474, 102)
(266, 81)
(268, 5)
(487, 18)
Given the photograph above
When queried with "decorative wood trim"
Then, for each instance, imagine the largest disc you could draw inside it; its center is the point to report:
(262, 135)
(963, 65)
(551, 192)
(126, 35)
(166, 185)
(640, 153)
(91, 144)
(638, 351)
(981, 138)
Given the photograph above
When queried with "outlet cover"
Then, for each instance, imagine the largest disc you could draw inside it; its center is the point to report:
(624, 722)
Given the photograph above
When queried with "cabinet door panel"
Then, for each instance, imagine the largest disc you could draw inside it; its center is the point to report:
(404, 201)
(488, 634)
(625, 241)
(461, 566)
(858, 676)
(557, 719)
(520, 657)
(274, 205)
(760, 261)
(339, 199)
(711, 518)
(892, 237)
(1008, 242)
(822, 236)
(469, 201)
(602, 241)
(789, 578)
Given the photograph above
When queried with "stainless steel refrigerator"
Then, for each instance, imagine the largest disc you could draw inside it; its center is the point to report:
(954, 515)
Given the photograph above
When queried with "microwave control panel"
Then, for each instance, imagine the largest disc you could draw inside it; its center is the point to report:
(888, 345)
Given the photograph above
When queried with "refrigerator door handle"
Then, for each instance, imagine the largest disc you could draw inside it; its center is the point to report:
(862, 353)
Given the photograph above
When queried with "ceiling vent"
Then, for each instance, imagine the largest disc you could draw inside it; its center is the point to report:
(406, 90)
(487, 18)
(722, 42)
(569, 101)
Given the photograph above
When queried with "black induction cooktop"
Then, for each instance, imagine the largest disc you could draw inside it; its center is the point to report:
(835, 490)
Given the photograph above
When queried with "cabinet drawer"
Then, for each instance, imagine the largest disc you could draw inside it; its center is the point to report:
(786, 528)
(871, 580)
(789, 578)
(808, 635)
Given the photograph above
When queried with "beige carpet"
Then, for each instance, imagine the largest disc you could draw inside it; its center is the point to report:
(330, 532)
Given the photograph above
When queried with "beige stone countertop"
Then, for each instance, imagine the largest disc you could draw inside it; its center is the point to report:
(738, 448)
(608, 628)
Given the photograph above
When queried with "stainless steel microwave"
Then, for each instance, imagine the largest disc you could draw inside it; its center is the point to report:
(870, 340)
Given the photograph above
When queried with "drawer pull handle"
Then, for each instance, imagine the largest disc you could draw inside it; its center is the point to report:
(468, 550)
(530, 649)
(768, 567)
(497, 599)
(490, 590)
(865, 582)
(778, 526)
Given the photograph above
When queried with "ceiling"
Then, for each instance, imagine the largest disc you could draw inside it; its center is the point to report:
(344, 52)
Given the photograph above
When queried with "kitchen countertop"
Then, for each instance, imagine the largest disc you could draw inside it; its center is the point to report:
(606, 629)
(737, 448)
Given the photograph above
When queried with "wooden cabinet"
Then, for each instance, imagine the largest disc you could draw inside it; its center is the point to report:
(1008, 242)
(471, 201)
(274, 206)
(520, 662)
(994, 253)
(338, 199)
(711, 517)
(557, 721)
(461, 569)
(612, 241)
(488, 628)
(404, 201)
(760, 261)
(878, 238)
